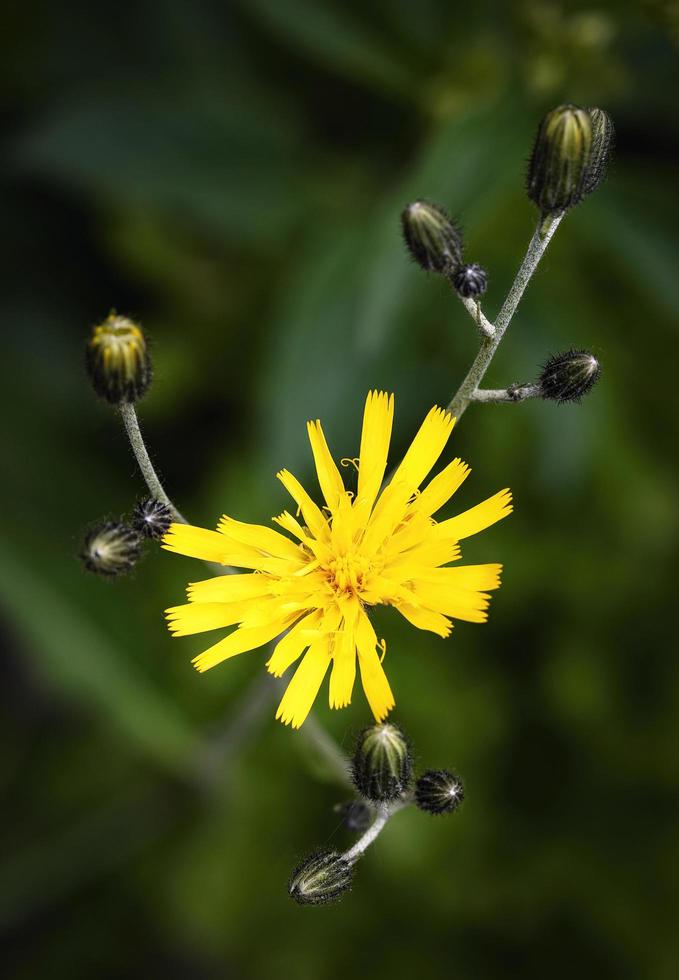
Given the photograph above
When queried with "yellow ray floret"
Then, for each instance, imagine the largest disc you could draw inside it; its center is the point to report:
(309, 591)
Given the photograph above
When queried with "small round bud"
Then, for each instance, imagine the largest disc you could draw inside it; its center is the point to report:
(603, 136)
(567, 377)
(432, 238)
(151, 518)
(118, 361)
(320, 879)
(382, 763)
(111, 548)
(558, 167)
(356, 815)
(471, 280)
(439, 791)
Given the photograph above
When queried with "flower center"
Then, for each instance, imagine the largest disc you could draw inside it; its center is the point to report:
(348, 573)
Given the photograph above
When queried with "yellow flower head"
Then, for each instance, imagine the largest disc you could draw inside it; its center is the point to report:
(380, 545)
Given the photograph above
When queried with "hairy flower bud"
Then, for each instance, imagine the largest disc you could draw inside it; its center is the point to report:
(559, 165)
(603, 136)
(320, 879)
(151, 518)
(111, 548)
(118, 361)
(356, 815)
(567, 377)
(470, 280)
(432, 238)
(439, 791)
(382, 763)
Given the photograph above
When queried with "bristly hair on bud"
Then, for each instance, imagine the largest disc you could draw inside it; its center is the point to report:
(356, 815)
(320, 879)
(151, 518)
(382, 763)
(111, 548)
(470, 281)
(567, 377)
(432, 237)
(118, 361)
(439, 791)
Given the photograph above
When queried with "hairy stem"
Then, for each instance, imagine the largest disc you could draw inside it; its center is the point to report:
(384, 813)
(155, 487)
(515, 393)
(536, 249)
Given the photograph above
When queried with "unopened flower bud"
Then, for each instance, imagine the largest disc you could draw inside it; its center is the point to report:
(356, 815)
(111, 548)
(558, 167)
(382, 763)
(567, 377)
(603, 136)
(470, 280)
(118, 361)
(320, 879)
(432, 238)
(151, 518)
(439, 791)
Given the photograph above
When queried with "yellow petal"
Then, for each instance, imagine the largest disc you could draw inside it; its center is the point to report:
(199, 617)
(373, 678)
(260, 538)
(458, 603)
(473, 577)
(302, 690)
(297, 639)
(329, 478)
(477, 518)
(195, 542)
(312, 514)
(439, 490)
(378, 418)
(343, 670)
(230, 588)
(240, 641)
(425, 619)
(425, 448)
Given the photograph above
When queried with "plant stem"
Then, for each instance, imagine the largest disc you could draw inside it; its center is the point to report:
(536, 249)
(384, 813)
(473, 308)
(515, 393)
(131, 423)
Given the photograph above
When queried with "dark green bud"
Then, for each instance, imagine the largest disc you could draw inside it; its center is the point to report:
(558, 168)
(111, 548)
(567, 377)
(432, 238)
(117, 360)
(382, 763)
(603, 136)
(439, 791)
(151, 518)
(470, 281)
(320, 879)
(356, 815)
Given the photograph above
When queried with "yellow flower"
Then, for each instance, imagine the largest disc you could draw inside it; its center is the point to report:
(380, 545)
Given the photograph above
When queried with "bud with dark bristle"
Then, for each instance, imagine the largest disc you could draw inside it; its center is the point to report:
(558, 167)
(111, 548)
(382, 763)
(567, 377)
(439, 791)
(432, 238)
(603, 136)
(151, 518)
(118, 361)
(470, 281)
(320, 879)
(356, 815)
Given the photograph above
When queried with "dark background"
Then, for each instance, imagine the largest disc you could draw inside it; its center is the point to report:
(232, 175)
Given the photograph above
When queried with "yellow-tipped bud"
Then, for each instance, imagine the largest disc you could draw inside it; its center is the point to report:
(118, 361)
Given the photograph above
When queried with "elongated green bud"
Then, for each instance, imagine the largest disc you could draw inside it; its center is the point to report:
(603, 136)
(558, 165)
(433, 240)
(382, 763)
(320, 879)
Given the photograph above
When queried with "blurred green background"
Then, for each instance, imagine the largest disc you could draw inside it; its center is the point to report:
(232, 175)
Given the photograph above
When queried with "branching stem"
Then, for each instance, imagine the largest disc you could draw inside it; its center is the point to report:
(384, 813)
(155, 487)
